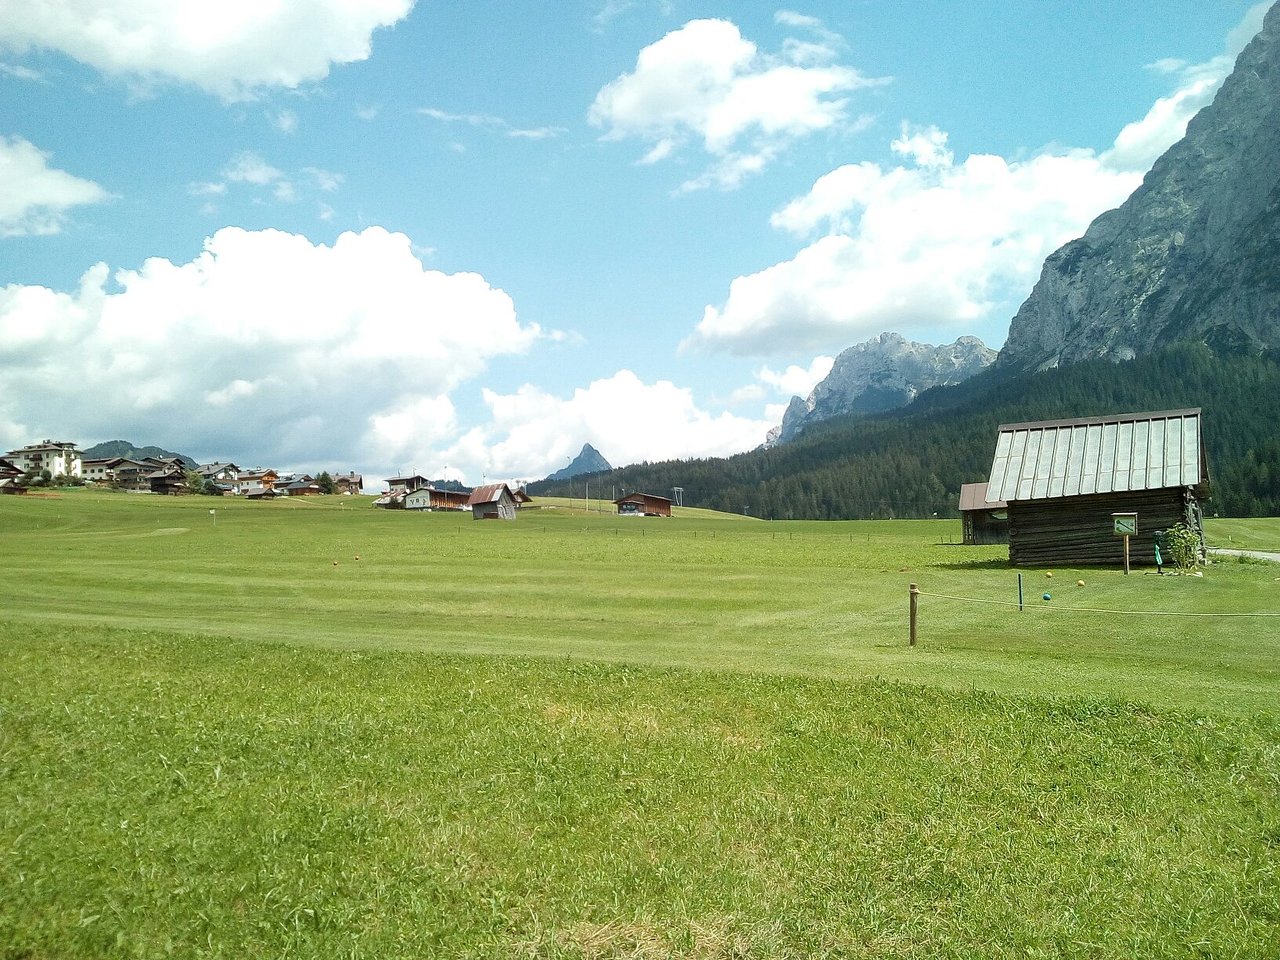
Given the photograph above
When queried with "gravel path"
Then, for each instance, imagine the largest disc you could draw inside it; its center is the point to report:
(1258, 554)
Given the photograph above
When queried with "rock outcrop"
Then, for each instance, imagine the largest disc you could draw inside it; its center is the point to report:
(882, 374)
(1193, 254)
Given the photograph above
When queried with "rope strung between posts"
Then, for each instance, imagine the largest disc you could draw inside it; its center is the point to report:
(1152, 613)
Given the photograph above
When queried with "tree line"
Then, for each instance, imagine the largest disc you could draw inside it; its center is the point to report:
(912, 461)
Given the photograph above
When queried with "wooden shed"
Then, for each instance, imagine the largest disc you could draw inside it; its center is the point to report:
(493, 501)
(1064, 479)
(980, 520)
(643, 505)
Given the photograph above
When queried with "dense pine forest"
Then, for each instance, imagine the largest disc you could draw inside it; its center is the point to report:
(911, 462)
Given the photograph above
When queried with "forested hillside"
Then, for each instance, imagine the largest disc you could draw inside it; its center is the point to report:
(911, 462)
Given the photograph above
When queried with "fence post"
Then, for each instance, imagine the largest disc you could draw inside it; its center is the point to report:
(915, 602)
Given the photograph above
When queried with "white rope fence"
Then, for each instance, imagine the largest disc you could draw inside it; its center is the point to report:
(1151, 613)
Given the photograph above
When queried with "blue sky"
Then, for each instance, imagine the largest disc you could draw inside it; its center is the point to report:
(466, 238)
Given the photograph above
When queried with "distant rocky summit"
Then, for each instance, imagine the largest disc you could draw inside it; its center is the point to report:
(588, 460)
(1193, 254)
(882, 374)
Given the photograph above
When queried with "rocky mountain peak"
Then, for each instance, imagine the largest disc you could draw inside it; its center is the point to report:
(588, 460)
(886, 372)
(1193, 254)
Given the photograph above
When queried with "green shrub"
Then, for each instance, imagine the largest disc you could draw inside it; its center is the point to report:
(1183, 545)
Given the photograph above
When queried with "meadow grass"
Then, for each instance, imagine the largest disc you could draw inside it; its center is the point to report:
(1244, 533)
(580, 736)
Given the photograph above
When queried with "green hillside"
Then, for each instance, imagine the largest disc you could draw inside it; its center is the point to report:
(123, 448)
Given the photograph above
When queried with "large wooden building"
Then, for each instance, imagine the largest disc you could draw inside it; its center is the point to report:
(643, 505)
(1064, 479)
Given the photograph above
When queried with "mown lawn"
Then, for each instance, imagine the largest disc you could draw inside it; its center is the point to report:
(584, 737)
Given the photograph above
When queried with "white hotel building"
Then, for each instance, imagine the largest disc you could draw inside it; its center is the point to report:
(59, 457)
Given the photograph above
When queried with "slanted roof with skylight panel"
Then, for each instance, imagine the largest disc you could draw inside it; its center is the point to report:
(1097, 455)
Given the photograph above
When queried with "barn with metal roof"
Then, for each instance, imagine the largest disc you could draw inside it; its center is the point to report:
(1064, 479)
(494, 501)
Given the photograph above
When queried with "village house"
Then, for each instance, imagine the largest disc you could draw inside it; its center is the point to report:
(123, 473)
(133, 475)
(1064, 480)
(403, 485)
(258, 480)
(169, 477)
(221, 474)
(429, 498)
(643, 505)
(59, 457)
(304, 486)
(348, 484)
(102, 470)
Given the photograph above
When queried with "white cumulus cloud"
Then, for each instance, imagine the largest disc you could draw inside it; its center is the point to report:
(935, 246)
(265, 346)
(797, 381)
(532, 433)
(36, 198)
(232, 50)
(927, 245)
(705, 82)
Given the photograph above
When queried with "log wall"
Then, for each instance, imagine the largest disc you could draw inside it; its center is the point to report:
(1079, 531)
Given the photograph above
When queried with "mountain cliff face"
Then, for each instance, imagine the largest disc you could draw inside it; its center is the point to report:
(882, 374)
(1193, 254)
(588, 460)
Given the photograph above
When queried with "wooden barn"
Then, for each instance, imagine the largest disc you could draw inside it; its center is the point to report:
(643, 505)
(1064, 479)
(494, 501)
(981, 521)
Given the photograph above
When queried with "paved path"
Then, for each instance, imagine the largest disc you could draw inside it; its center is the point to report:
(1256, 554)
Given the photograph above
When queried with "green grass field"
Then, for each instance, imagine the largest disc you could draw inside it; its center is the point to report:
(583, 736)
